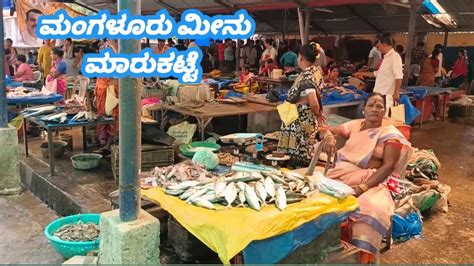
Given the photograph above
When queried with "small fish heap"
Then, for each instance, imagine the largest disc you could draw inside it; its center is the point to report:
(242, 189)
(79, 232)
(60, 117)
(38, 110)
(85, 116)
(166, 176)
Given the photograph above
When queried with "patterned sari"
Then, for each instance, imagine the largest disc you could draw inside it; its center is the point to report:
(369, 225)
(108, 132)
(297, 139)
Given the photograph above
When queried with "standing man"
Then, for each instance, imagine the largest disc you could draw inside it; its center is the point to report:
(418, 53)
(161, 47)
(250, 54)
(10, 57)
(388, 78)
(374, 56)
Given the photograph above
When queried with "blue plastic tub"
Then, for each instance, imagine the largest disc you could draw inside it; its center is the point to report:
(69, 249)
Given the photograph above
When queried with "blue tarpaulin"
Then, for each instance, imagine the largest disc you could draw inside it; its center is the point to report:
(275, 249)
(36, 100)
(334, 96)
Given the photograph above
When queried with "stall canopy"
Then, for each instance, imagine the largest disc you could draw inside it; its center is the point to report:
(327, 16)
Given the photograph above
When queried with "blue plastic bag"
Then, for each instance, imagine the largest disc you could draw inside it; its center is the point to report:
(406, 228)
(410, 111)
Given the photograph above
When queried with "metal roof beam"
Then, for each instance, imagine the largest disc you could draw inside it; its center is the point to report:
(231, 7)
(364, 19)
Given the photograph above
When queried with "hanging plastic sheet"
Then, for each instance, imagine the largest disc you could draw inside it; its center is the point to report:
(230, 231)
(410, 111)
(275, 249)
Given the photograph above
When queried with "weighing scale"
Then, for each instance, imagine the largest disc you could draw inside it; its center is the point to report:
(241, 139)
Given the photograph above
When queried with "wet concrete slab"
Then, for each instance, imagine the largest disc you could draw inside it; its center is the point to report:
(69, 191)
(22, 221)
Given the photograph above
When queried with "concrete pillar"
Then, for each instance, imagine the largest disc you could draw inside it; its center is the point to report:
(414, 6)
(9, 162)
(134, 242)
(301, 25)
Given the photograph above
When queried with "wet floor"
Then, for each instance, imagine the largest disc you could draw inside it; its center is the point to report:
(22, 221)
(447, 236)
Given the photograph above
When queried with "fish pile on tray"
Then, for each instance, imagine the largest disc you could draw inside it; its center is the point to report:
(73, 107)
(173, 174)
(242, 189)
(78, 232)
(85, 116)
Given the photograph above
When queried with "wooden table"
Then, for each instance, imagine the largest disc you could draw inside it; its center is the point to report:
(50, 127)
(206, 113)
(270, 81)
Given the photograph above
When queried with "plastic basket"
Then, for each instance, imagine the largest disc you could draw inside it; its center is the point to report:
(69, 249)
(152, 155)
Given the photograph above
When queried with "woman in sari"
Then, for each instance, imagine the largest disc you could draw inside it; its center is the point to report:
(368, 158)
(428, 70)
(57, 74)
(108, 132)
(297, 138)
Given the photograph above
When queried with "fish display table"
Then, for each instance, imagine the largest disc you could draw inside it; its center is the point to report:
(37, 100)
(206, 113)
(50, 127)
(267, 235)
(266, 82)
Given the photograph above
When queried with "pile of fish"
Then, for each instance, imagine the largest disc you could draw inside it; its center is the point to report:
(84, 116)
(60, 117)
(79, 232)
(72, 107)
(242, 189)
(39, 110)
(166, 176)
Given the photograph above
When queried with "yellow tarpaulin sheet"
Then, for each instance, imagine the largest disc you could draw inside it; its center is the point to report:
(229, 231)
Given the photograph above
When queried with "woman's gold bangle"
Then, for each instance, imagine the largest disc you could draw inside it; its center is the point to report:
(363, 187)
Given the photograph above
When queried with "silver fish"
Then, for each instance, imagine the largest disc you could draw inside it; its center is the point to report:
(201, 202)
(219, 187)
(184, 185)
(251, 198)
(300, 185)
(304, 190)
(241, 185)
(261, 192)
(172, 172)
(230, 194)
(242, 198)
(276, 178)
(197, 194)
(280, 198)
(174, 192)
(210, 196)
(270, 187)
(188, 193)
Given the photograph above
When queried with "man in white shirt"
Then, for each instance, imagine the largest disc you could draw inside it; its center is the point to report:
(388, 78)
(374, 56)
(29, 36)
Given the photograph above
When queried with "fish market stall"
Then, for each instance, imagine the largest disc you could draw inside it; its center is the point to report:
(53, 118)
(245, 211)
(29, 96)
(207, 111)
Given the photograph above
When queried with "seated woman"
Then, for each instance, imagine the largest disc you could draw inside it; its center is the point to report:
(23, 70)
(245, 78)
(368, 158)
(459, 71)
(332, 79)
(268, 68)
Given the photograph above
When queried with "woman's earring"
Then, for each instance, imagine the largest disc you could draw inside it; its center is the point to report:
(363, 112)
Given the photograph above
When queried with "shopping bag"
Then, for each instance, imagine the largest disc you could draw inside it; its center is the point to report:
(51, 86)
(111, 101)
(398, 112)
(288, 113)
(183, 133)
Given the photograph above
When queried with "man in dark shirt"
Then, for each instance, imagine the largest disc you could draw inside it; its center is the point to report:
(180, 46)
(418, 53)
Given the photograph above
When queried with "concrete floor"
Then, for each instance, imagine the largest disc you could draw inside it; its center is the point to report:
(447, 237)
(23, 218)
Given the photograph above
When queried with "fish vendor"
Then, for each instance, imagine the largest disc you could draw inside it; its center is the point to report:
(368, 158)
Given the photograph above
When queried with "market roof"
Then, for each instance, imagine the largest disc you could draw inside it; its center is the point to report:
(328, 16)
